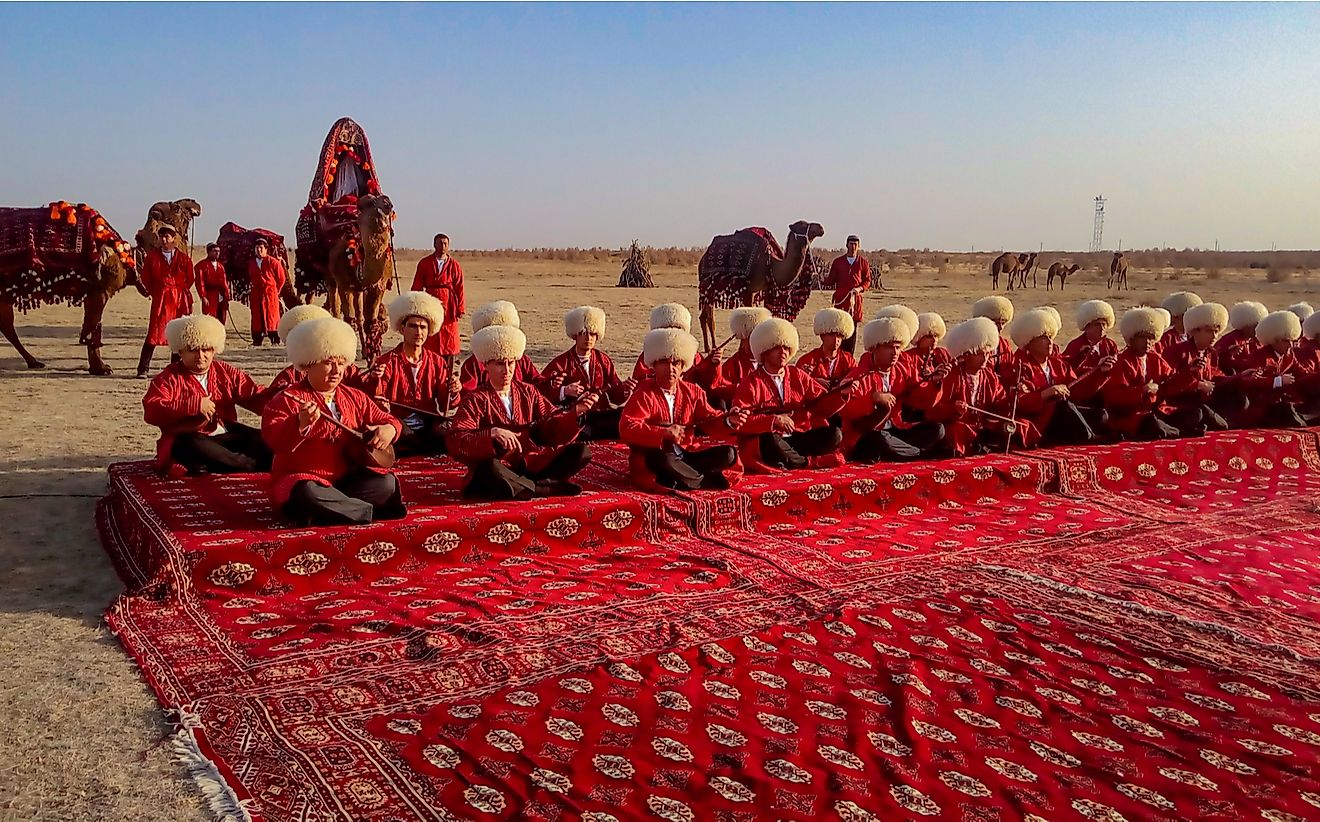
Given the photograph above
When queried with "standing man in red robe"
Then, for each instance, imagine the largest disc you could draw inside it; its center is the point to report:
(441, 276)
(850, 276)
(267, 277)
(212, 284)
(167, 277)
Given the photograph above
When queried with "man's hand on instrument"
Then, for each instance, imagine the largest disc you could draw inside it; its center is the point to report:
(1107, 363)
(308, 413)
(1152, 389)
(674, 434)
(506, 441)
(629, 385)
(959, 408)
(883, 398)
(716, 356)
(782, 424)
(941, 371)
(383, 403)
(1056, 391)
(573, 390)
(381, 436)
(557, 379)
(455, 386)
(1205, 387)
(585, 402)
(1286, 380)
(207, 408)
(738, 417)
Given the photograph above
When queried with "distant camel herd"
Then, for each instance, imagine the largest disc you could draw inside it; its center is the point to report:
(1017, 267)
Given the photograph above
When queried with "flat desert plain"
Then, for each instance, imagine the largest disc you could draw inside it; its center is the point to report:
(84, 738)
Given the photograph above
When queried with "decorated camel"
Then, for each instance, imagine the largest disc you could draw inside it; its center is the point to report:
(61, 254)
(1061, 272)
(748, 267)
(1007, 264)
(1118, 271)
(361, 271)
(178, 213)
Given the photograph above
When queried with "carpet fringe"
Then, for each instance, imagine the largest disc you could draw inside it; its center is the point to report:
(220, 798)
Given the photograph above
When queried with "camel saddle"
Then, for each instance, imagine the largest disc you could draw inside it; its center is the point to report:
(725, 274)
(237, 246)
(49, 255)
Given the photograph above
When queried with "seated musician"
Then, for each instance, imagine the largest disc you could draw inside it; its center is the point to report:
(998, 310)
(875, 427)
(663, 416)
(973, 406)
(828, 362)
(1303, 310)
(323, 474)
(896, 311)
(1134, 395)
(583, 368)
(193, 401)
(473, 372)
(1270, 377)
(1240, 344)
(1199, 394)
(1176, 304)
(412, 381)
(1308, 360)
(515, 443)
(705, 372)
(1055, 350)
(1086, 350)
(291, 374)
(788, 426)
(1060, 404)
(742, 321)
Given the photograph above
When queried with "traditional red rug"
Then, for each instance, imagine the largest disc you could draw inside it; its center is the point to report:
(1102, 633)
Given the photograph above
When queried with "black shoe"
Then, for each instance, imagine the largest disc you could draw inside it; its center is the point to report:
(557, 488)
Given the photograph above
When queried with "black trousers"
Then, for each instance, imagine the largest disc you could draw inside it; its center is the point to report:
(691, 470)
(495, 481)
(358, 497)
(1073, 424)
(257, 335)
(792, 451)
(921, 441)
(601, 425)
(427, 441)
(239, 449)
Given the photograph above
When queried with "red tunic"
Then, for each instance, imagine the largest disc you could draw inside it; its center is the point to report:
(1171, 338)
(1256, 380)
(758, 393)
(473, 373)
(353, 378)
(1124, 394)
(646, 414)
(320, 456)
(1083, 355)
(901, 380)
(267, 282)
(446, 285)
(826, 372)
(424, 388)
(844, 277)
(705, 372)
(1032, 406)
(169, 285)
(1235, 350)
(602, 377)
(980, 388)
(732, 372)
(925, 362)
(175, 394)
(1190, 367)
(212, 286)
(481, 410)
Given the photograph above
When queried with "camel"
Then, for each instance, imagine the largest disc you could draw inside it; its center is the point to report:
(1028, 268)
(178, 213)
(1118, 271)
(747, 267)
(361, 271)
(1063, 272)
(1009, 264)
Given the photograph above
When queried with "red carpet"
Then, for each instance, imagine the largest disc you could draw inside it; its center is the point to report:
(1104, 633)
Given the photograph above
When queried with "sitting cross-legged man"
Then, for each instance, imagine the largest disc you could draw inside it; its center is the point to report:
(1308, 359)
(973, 406)
(735, 369)
(926, 353)
(900, 312)
(473, 372)
(1060, 404)
(828, 362)
(291, 374)
(1239, 345)
(1176, 304)
(705, 372)
(583, 368)
(998, 310)
(788, 426)
(663, 416)
(1134, 393)
(193, 401)
(322, 473)
(412, 381)
(1270, 377)
(515, 443)
(1198, 386)
(1087, 349)
(875, 426)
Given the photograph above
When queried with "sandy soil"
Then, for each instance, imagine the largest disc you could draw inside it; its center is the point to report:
(84, 736)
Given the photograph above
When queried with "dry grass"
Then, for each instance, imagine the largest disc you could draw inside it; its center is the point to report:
(82, 734)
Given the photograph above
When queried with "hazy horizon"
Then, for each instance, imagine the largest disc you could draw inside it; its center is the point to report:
(914, 126)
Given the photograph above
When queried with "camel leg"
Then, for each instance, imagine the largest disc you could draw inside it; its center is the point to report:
(11, 334)
(708, 327)
(93, 309)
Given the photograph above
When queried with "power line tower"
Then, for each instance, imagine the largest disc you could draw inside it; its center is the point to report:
(1098, 233)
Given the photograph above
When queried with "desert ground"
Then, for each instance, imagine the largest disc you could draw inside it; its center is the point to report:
(85, 739)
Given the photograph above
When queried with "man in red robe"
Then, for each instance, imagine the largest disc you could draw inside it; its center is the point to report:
(413, 382)
(1060, 404)
(1133, 394)
(473, 372)
(1237, 347)
(1272, 376)
(584, 368)
(828, 362)
(515, 442)
(166, 278)
(705, 372)
(742, 321)
(441, 276)
(662, 418)
(1198, 386)
(874, 423)
(998, 310)
(193, 401)
(850, 277)
(1089, 348)
(973, 405)
(926, 354)
(267, 277)
(1176, 304)
(212, 284)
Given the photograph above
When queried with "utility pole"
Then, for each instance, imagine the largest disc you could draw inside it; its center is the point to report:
(1098, 231)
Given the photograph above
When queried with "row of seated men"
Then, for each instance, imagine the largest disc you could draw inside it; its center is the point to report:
(694, 421)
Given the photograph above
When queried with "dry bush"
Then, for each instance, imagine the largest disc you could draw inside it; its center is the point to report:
(1274, 274)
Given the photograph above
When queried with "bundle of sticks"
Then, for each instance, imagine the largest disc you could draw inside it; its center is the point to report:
(636, 271)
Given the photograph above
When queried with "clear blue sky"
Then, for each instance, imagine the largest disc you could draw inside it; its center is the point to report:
(526, 125)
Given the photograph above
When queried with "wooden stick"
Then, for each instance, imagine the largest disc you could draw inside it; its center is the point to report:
(990, 414)
(719, 347)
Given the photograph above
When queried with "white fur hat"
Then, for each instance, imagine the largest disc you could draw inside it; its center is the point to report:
(1092, 310)
(584, 318)
(1302, 310)
(994, 307)
(1032, 324)
(1053, 312)
(195, 332)
(901, 312)
(1279, 325)
(742, 321)
(498, 342)
(928, 323)
(1142, 320)
(773, 332)
(1167, 317)
(886, 330)
(300, 314)
(1178, 302)
(322, 339)
(976, 334)
(833, 321)
(1311, 326)
(671, 315)
(669, 344)
(499, 312)
(1245, 314)
(1206, 315)
(417, 304)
